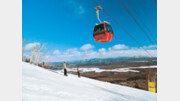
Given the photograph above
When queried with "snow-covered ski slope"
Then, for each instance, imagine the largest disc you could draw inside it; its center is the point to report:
(40, 84)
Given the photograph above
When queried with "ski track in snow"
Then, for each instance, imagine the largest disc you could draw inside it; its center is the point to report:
(40, 84)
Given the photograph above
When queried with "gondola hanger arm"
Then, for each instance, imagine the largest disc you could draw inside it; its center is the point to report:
(98, 8)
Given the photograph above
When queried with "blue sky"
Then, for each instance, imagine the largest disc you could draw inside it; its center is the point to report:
(68, 24)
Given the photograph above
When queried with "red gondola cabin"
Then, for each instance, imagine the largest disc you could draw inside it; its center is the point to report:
(103, 32)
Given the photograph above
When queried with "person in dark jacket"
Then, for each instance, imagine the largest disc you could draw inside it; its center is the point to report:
(78, 72)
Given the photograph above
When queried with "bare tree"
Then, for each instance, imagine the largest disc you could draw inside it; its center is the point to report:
(37, 56)
(46, 58)
(32, 54)
(39, 52)
(43, 59)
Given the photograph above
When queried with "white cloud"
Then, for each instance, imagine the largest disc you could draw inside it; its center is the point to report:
(87, 47)
(71, 50)
(81, 10)
(149, 47)
(30, 46)
(76, 54)
(56, 52)
(102, 50)
(119, 46)
(77, 7)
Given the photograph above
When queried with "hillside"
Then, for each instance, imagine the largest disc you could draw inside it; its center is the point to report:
(40, 84)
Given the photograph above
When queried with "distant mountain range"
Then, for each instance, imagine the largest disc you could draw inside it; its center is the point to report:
(109, 61)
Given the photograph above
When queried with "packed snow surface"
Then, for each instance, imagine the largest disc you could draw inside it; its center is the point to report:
(90, 69)
(40, 84)
(98, 70)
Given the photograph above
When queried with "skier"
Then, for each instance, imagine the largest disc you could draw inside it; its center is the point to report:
(78, 72)
(65, 70)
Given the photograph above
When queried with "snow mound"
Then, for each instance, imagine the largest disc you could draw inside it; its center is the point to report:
(40, 84)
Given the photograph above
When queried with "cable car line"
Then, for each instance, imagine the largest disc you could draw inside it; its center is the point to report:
(137, 23)
(141, 20)
(124, 30)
